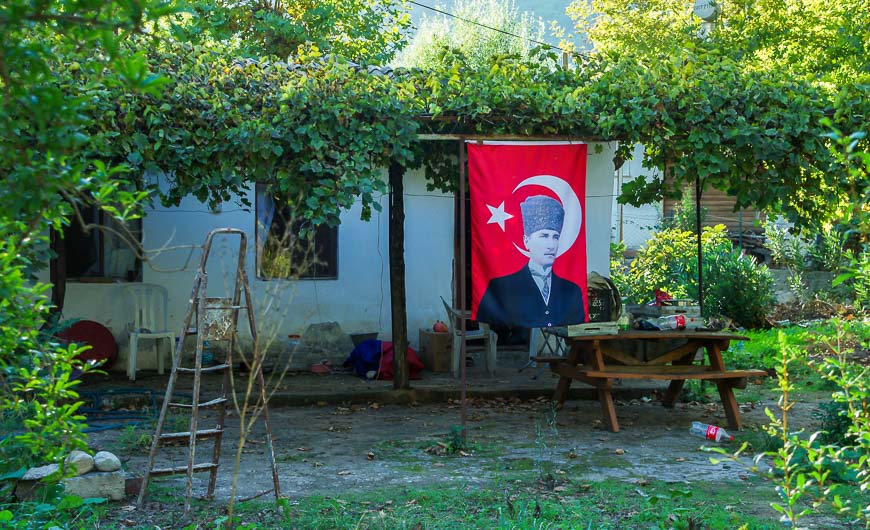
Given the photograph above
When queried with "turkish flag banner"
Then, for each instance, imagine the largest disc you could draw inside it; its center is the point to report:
(528, 233)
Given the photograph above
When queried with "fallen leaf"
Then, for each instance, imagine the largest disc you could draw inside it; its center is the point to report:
(572, 454)
(374, 406)
(344, 473)
(370, 455)
(680, 459)
(303, 449)
(619, 451)
(559, 488)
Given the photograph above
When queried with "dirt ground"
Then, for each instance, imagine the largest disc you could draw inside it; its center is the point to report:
(332, 447)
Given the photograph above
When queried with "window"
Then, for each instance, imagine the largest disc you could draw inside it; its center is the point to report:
(101, 254)
(289, 247)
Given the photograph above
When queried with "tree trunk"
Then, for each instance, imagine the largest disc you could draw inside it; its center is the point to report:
(401, 380)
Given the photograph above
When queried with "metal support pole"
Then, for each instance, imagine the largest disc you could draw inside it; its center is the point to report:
(463, 407)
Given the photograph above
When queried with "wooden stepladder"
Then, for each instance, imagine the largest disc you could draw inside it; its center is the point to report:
(216, 320)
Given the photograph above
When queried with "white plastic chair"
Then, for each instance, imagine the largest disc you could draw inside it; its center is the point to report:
(149, 305)
(489, 338)
(546, 344)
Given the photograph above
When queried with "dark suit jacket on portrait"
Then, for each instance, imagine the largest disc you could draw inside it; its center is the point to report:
(515, 301)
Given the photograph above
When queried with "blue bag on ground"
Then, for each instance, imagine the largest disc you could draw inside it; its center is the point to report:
(365, 357)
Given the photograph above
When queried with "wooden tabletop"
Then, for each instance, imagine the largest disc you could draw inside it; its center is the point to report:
(650, 335)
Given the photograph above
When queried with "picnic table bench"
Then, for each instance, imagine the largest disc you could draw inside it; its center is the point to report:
(586, 362)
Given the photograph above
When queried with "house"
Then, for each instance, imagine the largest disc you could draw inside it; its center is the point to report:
(353, 289)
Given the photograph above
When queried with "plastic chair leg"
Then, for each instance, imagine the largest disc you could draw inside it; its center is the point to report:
(534, 336)
(491, 352)
(171, 350)
(159, 356)
(131, 367)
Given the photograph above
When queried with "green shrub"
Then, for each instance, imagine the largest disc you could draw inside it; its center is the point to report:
(734, 285)
(786, 251)
(834, 421)
(737, 287)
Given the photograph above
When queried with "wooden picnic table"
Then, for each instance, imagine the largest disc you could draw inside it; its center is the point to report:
(586, 362)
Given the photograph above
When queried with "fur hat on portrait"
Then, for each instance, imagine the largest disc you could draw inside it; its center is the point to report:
(541, 213)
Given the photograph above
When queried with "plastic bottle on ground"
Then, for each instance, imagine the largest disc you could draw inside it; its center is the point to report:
(207, 354)
(710, 432)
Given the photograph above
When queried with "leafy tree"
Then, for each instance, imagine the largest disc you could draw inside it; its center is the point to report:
(479, 45)
(810, 57)
(823, 40)
(48, 165)
(360, 30)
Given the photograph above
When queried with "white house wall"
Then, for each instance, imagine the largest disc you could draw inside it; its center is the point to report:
(634, 225)
(599, 203)
(359, 299)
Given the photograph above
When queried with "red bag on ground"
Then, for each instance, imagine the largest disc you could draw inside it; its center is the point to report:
(385, 371)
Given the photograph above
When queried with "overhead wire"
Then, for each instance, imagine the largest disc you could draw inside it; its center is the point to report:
(476, 23)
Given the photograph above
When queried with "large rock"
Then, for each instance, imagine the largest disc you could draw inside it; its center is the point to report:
(80, 462)
(106, 461)
(39, 473)
(324, 340)
(104, 484)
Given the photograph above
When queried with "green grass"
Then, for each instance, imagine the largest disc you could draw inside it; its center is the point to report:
(133, 440)
(763, 350)
(604, 505)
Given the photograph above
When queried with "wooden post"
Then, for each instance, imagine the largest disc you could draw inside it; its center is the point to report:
(401, 379)
(57, 274)
(700, 231)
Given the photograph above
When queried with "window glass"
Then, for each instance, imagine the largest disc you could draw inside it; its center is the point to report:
(101, 252)
(288, 246)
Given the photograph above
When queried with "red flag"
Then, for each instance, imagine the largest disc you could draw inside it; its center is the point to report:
(528, 233)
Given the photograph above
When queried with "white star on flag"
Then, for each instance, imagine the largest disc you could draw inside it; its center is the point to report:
(498, 215)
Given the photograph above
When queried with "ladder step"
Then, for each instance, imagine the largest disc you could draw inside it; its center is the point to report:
(180, 436)
(226, 307)
(205, 369)
(182, 469)
(206, 404)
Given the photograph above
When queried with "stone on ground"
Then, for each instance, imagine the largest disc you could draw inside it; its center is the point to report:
(39, 473)
(106, 461)
(80, 462)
